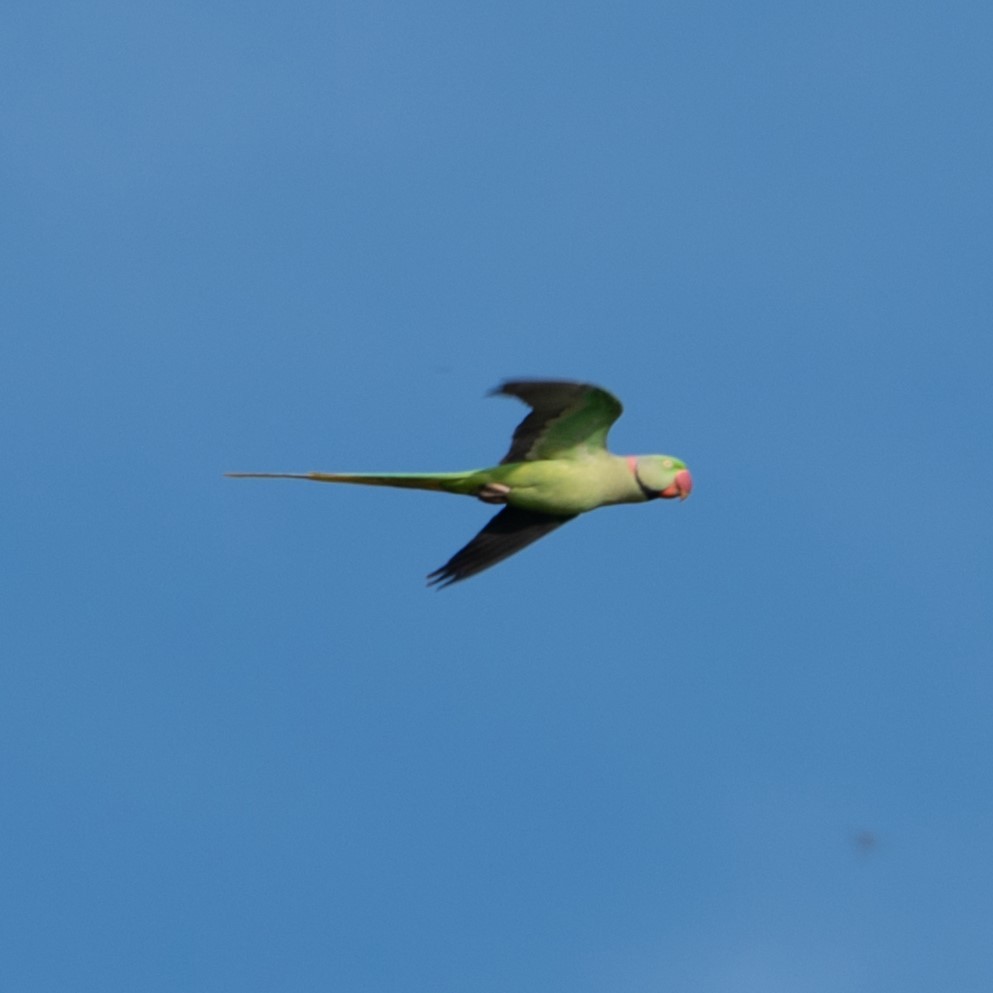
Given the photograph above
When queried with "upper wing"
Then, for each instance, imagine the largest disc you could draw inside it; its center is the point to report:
(566, 418)
(510, 531)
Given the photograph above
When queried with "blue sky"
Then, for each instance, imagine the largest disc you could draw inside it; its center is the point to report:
(243, 748)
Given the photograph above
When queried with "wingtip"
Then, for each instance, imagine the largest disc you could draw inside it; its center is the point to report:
(441, 578)
(506, 385)
(510, 386)
(511, 381)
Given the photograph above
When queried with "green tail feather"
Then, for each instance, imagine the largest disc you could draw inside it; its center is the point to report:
(442, 482)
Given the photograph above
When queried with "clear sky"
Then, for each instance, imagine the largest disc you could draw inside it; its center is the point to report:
(743, 743)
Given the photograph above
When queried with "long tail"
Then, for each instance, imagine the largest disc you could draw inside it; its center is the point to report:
(443, 482)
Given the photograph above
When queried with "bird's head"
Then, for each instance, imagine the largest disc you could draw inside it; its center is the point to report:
(663, 476)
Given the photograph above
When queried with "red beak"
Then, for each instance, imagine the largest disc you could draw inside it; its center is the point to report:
(682, 487)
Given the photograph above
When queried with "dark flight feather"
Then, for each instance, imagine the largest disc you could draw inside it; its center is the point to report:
(510, 531)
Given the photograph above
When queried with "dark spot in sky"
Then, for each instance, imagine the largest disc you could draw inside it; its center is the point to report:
(865, 842)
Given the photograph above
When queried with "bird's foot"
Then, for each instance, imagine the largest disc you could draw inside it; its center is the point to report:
(493, 493)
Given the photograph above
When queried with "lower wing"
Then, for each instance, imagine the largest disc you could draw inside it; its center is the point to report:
(510, 531)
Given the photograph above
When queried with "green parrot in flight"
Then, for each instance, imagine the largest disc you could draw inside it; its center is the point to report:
(557, 467)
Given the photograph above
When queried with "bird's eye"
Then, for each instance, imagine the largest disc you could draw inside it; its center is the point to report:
(667, 463)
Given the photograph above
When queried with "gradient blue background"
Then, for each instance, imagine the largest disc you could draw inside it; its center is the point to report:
(244, 749)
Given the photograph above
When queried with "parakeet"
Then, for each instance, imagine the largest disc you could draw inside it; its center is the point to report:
(557, 467)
